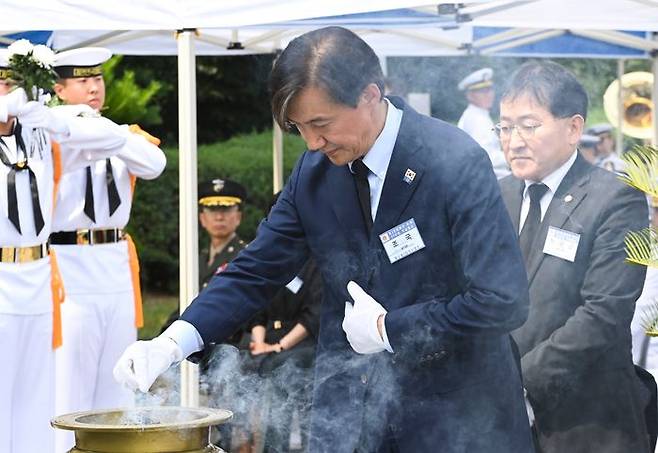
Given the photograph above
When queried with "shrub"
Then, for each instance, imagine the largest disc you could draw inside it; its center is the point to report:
(154, 219)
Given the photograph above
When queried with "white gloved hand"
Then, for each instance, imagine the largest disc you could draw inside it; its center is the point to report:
(528, 408)
(36, 115)
(82, 110)
(360, 322)
(143, 361)
(13, 102)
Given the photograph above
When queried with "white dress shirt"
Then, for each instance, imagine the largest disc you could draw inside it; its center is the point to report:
(552, 181)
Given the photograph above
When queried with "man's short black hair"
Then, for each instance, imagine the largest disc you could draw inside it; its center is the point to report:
(334, 59)
(551, 85)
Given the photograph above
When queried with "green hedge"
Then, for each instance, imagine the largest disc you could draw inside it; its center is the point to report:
(154, 219)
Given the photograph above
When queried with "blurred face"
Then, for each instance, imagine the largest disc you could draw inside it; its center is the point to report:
(5, 86)
(535, 142)
(482, 98)
(606, 145)
(338, 131)
(220, 221)
(82, 90)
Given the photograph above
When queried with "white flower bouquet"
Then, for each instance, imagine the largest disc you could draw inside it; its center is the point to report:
(32, 67)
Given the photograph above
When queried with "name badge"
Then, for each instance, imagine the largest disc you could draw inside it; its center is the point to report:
(561, 243)
(402, 240)
(295, 285)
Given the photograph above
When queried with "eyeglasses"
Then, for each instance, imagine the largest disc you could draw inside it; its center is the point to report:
(525, 131)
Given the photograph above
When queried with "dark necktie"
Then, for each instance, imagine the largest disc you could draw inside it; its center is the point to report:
(360, 172)
(20, 165)
(112, 193)
(533, 221)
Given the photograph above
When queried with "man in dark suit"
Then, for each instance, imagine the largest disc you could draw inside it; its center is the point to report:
(403, 216)
(572, 219)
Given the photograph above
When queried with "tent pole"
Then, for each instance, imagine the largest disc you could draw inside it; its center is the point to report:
(187, 180)
(619, 147)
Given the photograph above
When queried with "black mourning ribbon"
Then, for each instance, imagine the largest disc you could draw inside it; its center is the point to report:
(20, 165)
(360, 172)
(114, 200)
(533, 221)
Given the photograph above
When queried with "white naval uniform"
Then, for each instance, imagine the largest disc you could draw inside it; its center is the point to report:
(612, 163)
(98, 317)
(477, 123)
(27, 382)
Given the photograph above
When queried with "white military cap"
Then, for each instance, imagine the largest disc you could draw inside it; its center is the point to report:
(589, 140)
(477, 80)
(601, 128)
(5, 72)
(82, 62)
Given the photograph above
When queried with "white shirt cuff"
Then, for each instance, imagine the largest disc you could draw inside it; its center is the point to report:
(186, 337)
(387, 345)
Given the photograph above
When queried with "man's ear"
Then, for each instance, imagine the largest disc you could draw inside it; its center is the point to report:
(59, 89)
(576, 128)
(371, 94)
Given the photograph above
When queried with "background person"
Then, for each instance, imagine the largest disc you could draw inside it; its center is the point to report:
(475, 121)
(31, 167)
(572, 219)
(97, 260)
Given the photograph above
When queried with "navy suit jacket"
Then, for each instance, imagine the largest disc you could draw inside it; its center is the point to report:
(451, 305)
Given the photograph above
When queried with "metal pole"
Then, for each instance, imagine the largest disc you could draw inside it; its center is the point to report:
(654, 95)
(187, 180)
(619, 147)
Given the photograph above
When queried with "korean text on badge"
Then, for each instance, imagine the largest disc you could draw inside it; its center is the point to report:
(402, 240)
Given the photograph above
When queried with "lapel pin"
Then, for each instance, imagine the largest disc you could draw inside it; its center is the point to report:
(409, 176)
(568, 199)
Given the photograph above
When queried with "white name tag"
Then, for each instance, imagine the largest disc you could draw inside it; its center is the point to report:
(561, 243)
(402, 240)
(295, 285)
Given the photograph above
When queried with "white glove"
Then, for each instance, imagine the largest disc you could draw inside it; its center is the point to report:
(360, 322)
(36, 115)
(13, 102)
(528, 408)
(143, 361)
(82, 110)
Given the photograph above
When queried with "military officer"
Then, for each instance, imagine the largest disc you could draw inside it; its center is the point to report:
(32, 164)
(220, 214)
(98, 261)
(476, 122)
(587, 147)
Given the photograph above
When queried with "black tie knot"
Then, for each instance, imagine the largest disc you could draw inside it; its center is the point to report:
(360, 169)
(19, 166)
(536, 192)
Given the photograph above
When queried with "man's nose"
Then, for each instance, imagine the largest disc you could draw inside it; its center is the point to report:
(515, 139)
(313, 140)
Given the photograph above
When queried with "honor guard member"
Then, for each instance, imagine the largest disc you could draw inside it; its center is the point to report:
(605, 149)
(98, 261)
(476, 122)
(30, 285)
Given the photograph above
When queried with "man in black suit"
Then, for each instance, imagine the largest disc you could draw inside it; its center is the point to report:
(572, 219)
(403, 216)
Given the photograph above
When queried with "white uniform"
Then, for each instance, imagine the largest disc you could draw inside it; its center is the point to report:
(98, 317)
(477, 123)
(26, 301)
(612, 163)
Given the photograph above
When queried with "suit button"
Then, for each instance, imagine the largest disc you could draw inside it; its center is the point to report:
(364, 379)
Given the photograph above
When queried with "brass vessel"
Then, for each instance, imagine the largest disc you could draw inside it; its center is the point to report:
(166, 429)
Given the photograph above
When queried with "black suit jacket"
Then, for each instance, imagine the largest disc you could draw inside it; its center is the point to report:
(576, 345)
(452, 384)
